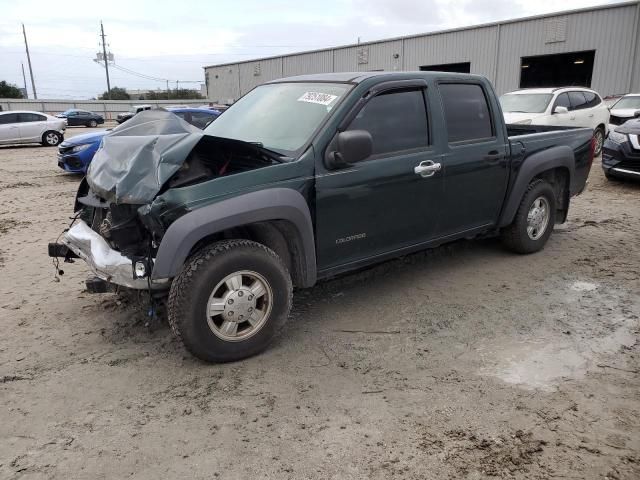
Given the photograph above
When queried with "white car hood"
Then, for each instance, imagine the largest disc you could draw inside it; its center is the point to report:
(624, 112)
(515, 117)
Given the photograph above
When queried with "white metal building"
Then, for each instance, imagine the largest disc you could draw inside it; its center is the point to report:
(596, 47)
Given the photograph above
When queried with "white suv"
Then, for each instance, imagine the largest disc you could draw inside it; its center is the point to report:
(31, 127)
(566, 107)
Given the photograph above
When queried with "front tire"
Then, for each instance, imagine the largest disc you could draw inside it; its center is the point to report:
(598, 136)
(51, 138)
(534, 220)
(230, 300)
(93, 124)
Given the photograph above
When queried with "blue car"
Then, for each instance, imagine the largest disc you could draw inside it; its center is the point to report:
(76, 153)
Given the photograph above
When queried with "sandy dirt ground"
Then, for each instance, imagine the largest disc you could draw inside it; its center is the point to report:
(465, 363)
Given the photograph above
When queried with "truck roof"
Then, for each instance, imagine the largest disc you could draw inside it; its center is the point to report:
(357, 77)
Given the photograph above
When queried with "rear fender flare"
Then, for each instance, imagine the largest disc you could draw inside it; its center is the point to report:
(555, 157)
(264, 205)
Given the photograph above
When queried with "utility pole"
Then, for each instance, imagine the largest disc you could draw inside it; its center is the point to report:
(106, 59)
(26, 46)
(24, 79)
(167, 89)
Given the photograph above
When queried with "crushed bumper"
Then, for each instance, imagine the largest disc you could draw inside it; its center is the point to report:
(107, 263)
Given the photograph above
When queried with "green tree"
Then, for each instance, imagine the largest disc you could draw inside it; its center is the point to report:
(180, 94)
(8, 90)
(117, 93)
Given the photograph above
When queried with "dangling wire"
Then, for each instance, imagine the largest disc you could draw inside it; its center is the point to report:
(56, 262)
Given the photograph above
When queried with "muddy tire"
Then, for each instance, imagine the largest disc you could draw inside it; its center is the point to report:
(92, 124)
(534, 220)
(51, 138)
(230, 300)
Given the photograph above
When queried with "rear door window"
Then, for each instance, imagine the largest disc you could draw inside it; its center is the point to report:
(578, 102)
(466, 112)
(396, 120)
(30, 117)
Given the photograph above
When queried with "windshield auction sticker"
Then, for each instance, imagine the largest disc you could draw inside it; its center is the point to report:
(317, 97)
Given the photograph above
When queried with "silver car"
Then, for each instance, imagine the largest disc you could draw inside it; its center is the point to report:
(31, 127)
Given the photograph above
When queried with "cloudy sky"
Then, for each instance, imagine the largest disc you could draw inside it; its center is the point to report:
(175, 39)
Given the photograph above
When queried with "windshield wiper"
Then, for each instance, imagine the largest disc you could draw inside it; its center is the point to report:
(278, 157)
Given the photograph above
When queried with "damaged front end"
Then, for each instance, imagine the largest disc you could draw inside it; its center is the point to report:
(120, 215)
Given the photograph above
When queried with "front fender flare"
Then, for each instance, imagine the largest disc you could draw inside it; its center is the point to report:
(560, 156)
(264, 205)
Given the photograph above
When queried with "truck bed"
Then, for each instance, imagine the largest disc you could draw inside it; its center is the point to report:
(526, 140)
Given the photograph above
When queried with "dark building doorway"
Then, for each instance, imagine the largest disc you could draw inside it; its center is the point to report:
(559, 70)
(464, 67)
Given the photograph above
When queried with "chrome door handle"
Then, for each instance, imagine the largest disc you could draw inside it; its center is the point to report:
(427, 169)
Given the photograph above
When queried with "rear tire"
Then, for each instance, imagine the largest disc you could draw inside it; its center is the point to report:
(51, 138)
(230, 300)
(534, 220)
(598, 136)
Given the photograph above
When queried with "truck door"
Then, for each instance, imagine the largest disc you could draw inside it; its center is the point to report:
(475, 164)
(381, 204)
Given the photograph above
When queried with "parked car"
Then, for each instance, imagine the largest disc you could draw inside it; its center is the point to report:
(569, 107)
(76, 153)
(31, 127)
(625, 109)
(621, 153)
(123, 117)
(77, 118)
(215, 106)
(305, 178)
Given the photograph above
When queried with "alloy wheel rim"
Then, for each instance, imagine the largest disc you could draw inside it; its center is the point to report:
(52, 139)
(239, 306)
(599, 140)
(538, 218)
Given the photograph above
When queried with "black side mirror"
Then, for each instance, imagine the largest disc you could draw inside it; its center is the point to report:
(350, 147)
(636, 114)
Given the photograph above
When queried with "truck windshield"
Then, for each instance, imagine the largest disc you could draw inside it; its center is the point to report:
(525, 102)
(628, 102)
(280, 116)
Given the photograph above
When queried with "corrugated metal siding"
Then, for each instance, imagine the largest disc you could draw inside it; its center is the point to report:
(608, 32)
(635, 79)
(317, 62)
(379, 56)
(253, 74)
(224, 83)
(494, 51)
(477, 46)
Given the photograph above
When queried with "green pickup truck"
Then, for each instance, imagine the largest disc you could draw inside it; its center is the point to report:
(305, 178)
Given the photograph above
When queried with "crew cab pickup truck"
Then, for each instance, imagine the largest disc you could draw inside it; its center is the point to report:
(306, 178)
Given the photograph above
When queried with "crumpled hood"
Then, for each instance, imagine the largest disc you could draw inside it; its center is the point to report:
(138, 157)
